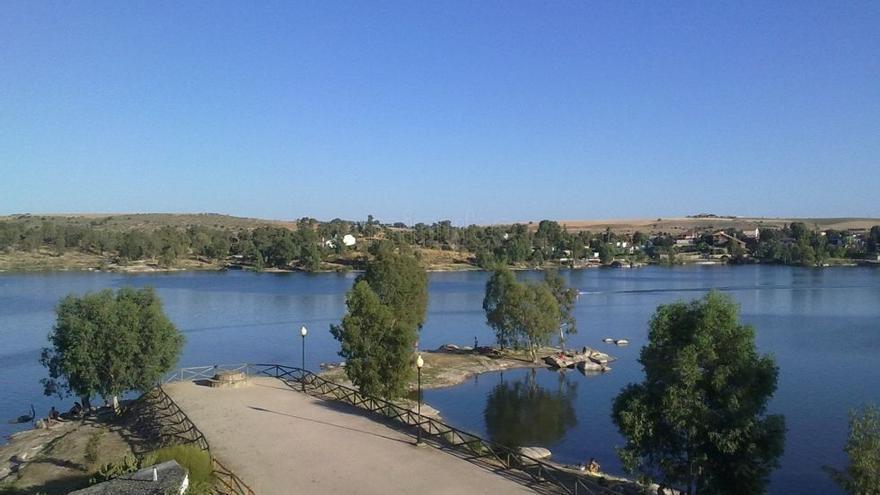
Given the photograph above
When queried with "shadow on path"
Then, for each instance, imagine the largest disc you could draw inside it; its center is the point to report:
(485, 463)
(294, 416)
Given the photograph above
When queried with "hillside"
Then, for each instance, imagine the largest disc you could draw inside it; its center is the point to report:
(683, 224)
(148, 221)
(210, 241)
(672, 225)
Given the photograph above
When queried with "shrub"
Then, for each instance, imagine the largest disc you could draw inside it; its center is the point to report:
(112, 470)
(191, 457)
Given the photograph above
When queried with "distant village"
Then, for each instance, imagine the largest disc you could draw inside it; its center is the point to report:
(215, 241)
(792, 244)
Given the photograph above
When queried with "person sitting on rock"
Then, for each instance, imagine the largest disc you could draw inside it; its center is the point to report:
(593, 466)
(54, 417)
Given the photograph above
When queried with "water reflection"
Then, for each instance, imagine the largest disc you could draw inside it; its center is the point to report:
(522, 413)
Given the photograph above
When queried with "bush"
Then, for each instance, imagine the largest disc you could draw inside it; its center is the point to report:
(191, 457)
(127, 464)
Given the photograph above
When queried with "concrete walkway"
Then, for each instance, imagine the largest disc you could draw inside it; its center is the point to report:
(280, 441)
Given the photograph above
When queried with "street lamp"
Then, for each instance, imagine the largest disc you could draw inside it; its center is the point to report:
(419, 363)
(303, 331)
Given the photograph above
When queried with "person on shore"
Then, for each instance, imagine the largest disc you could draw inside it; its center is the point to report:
(54, 417)
(593, 466)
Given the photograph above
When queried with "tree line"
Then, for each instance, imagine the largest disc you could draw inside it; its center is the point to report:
(311, 243)
(698, 420)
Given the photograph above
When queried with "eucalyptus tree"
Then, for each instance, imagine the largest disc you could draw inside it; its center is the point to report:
(565, 297)
(108, 343)
(385, 312)
(524, 315)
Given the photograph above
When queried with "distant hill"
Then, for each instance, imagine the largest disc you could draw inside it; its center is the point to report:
(678, 225)
(149, 221)
(672, 225)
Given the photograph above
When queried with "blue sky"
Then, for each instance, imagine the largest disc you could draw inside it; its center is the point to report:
(419, 111)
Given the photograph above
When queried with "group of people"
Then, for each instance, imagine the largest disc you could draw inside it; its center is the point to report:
(75, 412)
(591, 467)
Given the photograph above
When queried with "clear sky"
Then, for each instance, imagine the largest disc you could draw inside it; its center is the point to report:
(473, 111)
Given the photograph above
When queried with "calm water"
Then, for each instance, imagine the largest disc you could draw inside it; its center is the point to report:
(822, 325)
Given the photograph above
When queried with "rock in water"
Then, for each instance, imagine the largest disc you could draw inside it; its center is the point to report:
(591, 366)
(535, 452)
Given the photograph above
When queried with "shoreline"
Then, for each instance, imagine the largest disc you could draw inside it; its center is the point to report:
(450, 365)
(147, 268)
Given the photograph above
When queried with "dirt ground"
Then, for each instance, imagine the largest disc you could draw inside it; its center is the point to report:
(58, 460)
(280, 441)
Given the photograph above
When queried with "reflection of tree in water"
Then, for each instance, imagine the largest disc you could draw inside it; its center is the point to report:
(524, 414)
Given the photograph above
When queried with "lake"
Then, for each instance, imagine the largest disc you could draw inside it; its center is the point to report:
(823, 326)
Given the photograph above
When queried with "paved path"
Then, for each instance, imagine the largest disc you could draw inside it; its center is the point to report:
(280, 441)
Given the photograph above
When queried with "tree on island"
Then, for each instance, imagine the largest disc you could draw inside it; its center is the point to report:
(526, 315)
(862, 475)
(698, 419)
(494, 301)
(565, 298)
(108, 343)
(386, 310)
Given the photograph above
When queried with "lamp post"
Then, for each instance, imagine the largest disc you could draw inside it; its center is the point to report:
(419, 363)
(303, 331)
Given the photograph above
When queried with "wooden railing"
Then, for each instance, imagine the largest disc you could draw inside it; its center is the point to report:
(540, 473)
(474, 447)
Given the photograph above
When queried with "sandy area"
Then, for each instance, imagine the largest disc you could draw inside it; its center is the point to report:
(280, 441)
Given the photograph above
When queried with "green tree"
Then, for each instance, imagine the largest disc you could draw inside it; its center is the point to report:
(606, 253)
(386, 310)
(565, 298)
(737, 253)
(485, 259)
(862, 475)
(698, 419)
(522, 314)
(135, 245)
(171, 245)
(309, 254)
(401, 282)
(109, 343)
(535, 315)
(497, 315)
(798, 230)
